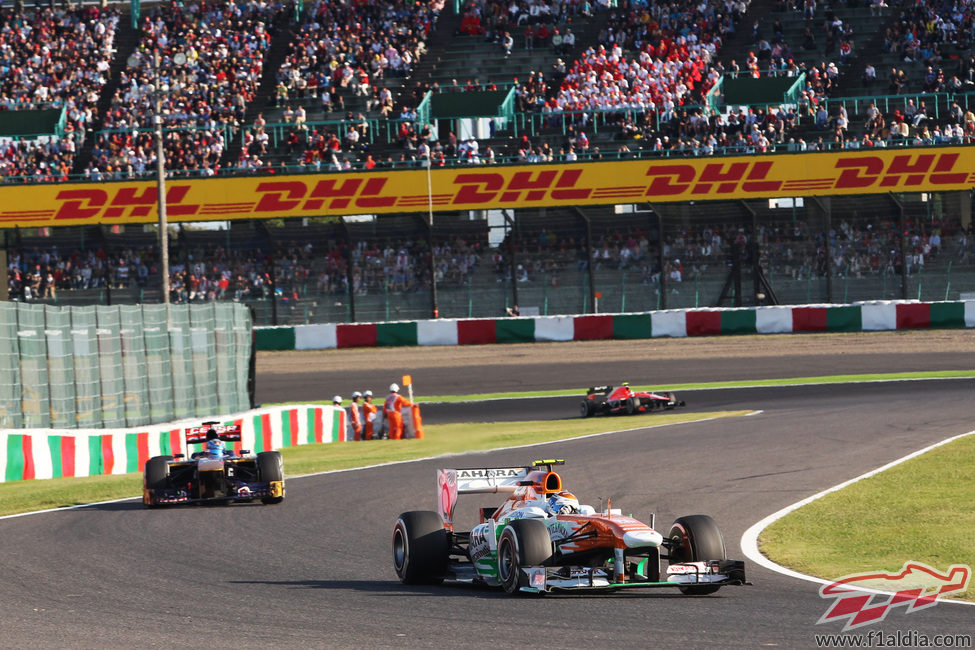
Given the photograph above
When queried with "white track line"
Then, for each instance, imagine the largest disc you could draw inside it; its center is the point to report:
(749, 540)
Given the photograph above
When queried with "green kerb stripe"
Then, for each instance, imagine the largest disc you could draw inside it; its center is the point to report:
(515, 330)
(310, 419)
(258, 435)
(276, 338)
(947, 314)
(336, 425)
(393, 334)
(54, 445)
(95, 463)
(738, 322)
(632, 326)
(132, 452)
(15, 458)
(286, 428)
(844, 319)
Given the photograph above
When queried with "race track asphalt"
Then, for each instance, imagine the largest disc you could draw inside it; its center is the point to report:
(316, 570)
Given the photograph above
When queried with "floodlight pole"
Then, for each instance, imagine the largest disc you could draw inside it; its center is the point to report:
(161, 181)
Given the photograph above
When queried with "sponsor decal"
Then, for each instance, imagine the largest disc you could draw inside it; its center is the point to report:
(660, 180)
(501, 472)
(916, 586)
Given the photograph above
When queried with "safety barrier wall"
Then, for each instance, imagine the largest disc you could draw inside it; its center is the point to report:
(863, 317)
(121, 365)
(41, 454)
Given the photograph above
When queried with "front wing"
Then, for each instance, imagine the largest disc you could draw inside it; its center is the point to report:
(241, 493)
(688, 574)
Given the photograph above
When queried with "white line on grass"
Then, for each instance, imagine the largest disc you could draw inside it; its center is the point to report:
(749, 540)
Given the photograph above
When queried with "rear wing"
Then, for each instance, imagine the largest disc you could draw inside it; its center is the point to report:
(477, 480)
(481, 480)
(226, 432)
(605, 390)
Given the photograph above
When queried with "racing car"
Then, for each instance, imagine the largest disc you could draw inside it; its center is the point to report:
(541, 540)
(623, 399)
(215, 474)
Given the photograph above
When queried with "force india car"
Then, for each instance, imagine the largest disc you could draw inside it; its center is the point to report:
(205, 477)
(523, 546)
(613, 401)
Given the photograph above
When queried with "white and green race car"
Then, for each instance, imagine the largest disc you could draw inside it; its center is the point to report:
(540, 539)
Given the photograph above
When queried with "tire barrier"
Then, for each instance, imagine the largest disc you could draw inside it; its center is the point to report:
(785, 319)
(40, 454)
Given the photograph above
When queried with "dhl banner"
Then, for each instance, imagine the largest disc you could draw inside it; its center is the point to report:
(478, 188)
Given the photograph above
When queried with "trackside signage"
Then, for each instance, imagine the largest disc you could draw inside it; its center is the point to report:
(660, 180)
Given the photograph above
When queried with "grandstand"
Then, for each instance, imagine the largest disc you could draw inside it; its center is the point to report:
(277, 89)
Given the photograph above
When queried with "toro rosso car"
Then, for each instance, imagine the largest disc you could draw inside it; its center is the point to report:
(214, 474)
(613, 401)
(541, 540)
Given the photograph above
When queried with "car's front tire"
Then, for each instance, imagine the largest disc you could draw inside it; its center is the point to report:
(156, 477)
(696, 538)
(270, 467)
(523, 543)
(420, 548)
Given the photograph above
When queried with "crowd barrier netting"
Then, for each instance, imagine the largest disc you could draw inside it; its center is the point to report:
(120, 366)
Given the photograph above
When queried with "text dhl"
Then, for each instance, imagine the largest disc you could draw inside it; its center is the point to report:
(541, 187)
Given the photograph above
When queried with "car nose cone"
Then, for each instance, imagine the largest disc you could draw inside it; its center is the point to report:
(638, 538)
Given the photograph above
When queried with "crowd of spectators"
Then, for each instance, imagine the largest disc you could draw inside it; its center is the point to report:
(42, 274)
(53, 57)
(223, 43)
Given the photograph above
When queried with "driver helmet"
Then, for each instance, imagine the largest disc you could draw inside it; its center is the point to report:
(563, 503)
(215, 447)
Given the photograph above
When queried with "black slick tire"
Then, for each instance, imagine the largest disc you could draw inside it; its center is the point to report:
(585, 408)
(156, 476)
(523, 543)
(420, 548)
(696, 538)
(270, 467)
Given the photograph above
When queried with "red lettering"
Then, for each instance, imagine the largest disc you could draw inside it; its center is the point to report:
(174, 197)
(74, 200)
(851, 177)
(756, 176)
(524, 181)
(716, 173)
(946, 162)
(273, 201)
(568, 179)
(662, 185)
(373, 187)
(903, 165)
(130, 196)
(471, 182)
(341, 193)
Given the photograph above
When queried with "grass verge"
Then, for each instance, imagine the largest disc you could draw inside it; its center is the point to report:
(916, 511)
(25, 496)
(796, 381)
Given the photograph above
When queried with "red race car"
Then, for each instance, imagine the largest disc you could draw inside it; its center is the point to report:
(623, 399)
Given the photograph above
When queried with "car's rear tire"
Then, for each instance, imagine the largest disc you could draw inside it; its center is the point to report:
(156, 476)
(523, 543)
(585, 408)
(696, 538)
(420, 548)
(270, 467)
